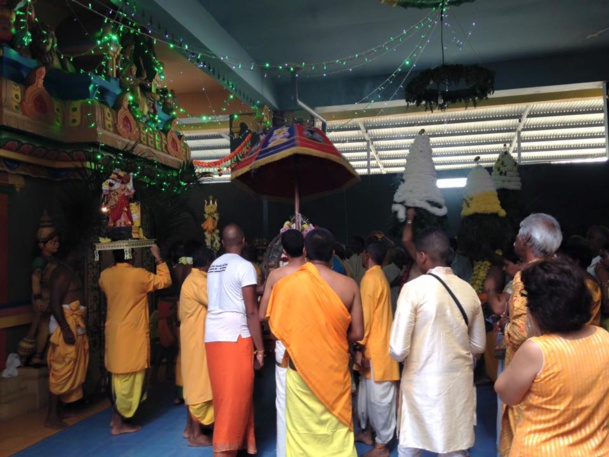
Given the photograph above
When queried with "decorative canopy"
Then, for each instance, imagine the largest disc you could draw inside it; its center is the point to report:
(294, 161)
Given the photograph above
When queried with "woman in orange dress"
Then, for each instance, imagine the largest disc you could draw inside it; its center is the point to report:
(559, 376)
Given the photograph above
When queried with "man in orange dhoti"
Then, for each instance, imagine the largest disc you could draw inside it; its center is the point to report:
(127, 332)
(232, 331)
(378, 387)
(192, 311)
(315, 312)
(68, 355)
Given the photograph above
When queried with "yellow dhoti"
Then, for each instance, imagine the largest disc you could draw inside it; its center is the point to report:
(308, 418)
(68, 363)
(312, 322)
(128, 392)
(203, 412)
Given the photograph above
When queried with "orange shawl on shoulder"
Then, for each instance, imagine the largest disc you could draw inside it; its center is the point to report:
(312, 322)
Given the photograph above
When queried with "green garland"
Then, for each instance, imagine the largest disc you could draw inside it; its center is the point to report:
(511, 202)
(425, 3)
(481, 235)
(148, 173)
(432, 87)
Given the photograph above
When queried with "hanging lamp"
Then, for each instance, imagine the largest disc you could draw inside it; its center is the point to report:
(445, 85)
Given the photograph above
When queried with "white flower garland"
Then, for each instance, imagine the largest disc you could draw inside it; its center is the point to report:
(505, 172)
(419, 182)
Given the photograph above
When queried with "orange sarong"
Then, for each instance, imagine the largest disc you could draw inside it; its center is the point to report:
(312, 322)
(231, 371)
(68, 362)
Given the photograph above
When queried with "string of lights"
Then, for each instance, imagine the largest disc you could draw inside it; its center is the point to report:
(320, 68)
(378, 51)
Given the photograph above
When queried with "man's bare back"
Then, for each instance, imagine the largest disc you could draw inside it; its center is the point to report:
(344, 286)
(273, 278)
(348, 292)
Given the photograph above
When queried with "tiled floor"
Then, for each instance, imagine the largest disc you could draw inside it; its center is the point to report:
(163, 423)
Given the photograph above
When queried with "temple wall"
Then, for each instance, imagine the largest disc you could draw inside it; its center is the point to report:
(576, 194)
(24, 209)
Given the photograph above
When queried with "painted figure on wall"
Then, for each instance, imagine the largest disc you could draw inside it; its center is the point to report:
(35, 342)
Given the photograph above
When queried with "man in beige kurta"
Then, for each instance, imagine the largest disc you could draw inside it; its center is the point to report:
(127, 332)
(431, 337)
(192, 312)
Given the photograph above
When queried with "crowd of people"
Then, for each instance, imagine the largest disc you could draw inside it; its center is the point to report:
(394, 340)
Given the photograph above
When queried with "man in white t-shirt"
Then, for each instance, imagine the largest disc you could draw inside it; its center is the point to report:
(232, 330)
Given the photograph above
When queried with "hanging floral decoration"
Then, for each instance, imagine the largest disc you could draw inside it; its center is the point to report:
(449, 84)
(206, 169)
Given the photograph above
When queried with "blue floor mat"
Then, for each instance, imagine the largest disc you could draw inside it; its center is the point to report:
(163, 423)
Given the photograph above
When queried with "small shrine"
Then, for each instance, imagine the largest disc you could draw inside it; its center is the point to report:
(89, 137)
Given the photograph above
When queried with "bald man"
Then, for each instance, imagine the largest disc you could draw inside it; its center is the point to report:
(232, 339)
(437, 329)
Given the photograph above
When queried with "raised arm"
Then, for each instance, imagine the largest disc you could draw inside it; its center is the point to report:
(162, 278)
(408, 234)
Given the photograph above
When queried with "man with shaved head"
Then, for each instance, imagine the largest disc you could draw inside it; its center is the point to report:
(232, 340)
(437, 329)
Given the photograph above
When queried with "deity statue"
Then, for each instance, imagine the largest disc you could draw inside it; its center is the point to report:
(130, 83)
(139, 76)
(117, 192)
(169, 106)
(111, 48)
(34, 343)
(43, 47)
(210, 225)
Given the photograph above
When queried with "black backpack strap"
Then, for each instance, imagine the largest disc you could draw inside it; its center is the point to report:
(454, 298)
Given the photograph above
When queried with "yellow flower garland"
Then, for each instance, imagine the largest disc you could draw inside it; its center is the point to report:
(483, 203)
(481, 268)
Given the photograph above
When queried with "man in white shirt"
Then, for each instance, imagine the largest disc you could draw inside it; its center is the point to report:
(436, 340)
(232, 330)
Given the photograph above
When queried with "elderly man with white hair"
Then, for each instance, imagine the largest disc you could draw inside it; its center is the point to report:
(539, 238)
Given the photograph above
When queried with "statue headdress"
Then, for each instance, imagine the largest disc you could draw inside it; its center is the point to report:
(46, 229)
